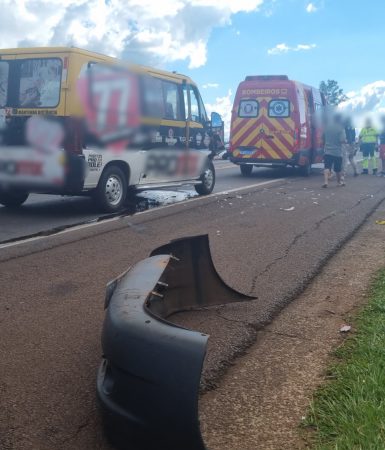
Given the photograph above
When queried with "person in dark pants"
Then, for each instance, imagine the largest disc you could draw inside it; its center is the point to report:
(216, 144)
(368, 144)
(334, 138)
(382, 146)
(351, 151)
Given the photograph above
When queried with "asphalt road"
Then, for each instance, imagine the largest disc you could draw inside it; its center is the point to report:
(44, 213)
(268, 241)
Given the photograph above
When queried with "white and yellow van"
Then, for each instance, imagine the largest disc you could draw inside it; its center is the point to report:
(74, 122)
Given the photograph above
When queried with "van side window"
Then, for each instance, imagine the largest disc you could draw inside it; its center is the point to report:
(279, 108)
(248, 108)
(4, 73)
(195, 117)
(171, 101)
(40, 81)
(202, 109)
(198, 111)
(153, 103)
(310, 101)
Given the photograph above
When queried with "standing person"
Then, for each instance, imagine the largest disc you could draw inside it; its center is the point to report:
(368, 144)
(334, 138)
(216, 143)
(350, 133)
(382, 146)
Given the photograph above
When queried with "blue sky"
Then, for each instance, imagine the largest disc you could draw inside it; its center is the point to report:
(219, 42)
(349, 39)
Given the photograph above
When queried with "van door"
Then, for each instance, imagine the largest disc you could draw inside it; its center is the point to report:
(198, 132)
(279, 128)
(163, 112)
(30, 120)
(264, 129)
(317, 126)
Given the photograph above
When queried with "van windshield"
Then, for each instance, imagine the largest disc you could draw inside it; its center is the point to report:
(4, 73)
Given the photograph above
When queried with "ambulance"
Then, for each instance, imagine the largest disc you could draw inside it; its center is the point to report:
(276, 122)
(75, 122)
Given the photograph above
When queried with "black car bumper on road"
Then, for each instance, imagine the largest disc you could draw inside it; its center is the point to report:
(148, 382)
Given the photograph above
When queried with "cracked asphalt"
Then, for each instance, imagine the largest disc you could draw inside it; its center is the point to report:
(52, 294)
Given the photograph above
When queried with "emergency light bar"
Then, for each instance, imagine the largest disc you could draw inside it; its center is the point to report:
(267, 77)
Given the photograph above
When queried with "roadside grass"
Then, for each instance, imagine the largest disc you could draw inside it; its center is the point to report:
(348, 413)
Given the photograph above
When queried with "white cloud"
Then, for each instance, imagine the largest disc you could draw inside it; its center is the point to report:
(269, 8)
(369, 100)
(145, 31)
(210, 85)
(311, 8)
(284, 48)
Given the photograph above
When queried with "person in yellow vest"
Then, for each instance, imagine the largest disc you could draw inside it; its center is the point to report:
(368, 140)
(382, 146)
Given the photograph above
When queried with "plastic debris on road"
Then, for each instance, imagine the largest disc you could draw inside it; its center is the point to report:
(380, 222)
(292, 208)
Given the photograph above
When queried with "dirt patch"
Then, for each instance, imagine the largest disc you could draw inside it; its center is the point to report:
(261, 400)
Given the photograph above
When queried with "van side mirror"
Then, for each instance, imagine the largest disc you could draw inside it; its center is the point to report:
(216, 120)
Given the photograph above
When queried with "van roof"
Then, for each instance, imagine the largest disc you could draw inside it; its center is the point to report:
(90, 54)
(266, 77)
(272, 78)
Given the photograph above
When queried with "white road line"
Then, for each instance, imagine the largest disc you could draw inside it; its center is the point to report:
(149, 211)
(233, 166)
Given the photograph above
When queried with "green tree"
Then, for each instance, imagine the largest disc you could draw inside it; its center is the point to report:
(333, 93)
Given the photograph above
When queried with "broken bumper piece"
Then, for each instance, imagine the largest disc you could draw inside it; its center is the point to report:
(148, 382)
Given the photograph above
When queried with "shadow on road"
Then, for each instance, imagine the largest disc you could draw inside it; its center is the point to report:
(280, 172)
(52, 214)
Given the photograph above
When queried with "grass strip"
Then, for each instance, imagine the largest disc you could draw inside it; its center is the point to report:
(348, 413)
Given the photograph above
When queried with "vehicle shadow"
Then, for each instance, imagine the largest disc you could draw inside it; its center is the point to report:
(280, 172)
(82, 209)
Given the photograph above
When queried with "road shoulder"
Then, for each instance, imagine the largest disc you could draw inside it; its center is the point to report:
(262, 398)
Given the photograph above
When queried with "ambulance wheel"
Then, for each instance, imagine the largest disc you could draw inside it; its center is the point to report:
(13, 199)
(111, 192)
(305, 170)
(208, 180)
(246, 169)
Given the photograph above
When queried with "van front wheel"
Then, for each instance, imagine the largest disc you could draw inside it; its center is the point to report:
(112, 190)
(208, 180)
(246, 169)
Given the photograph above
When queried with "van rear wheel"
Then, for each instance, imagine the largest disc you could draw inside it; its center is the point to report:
(208, 180)
(111, 192)
(13, 199)
(246, 169)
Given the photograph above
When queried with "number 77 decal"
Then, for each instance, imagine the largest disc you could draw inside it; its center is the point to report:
(109, 97)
